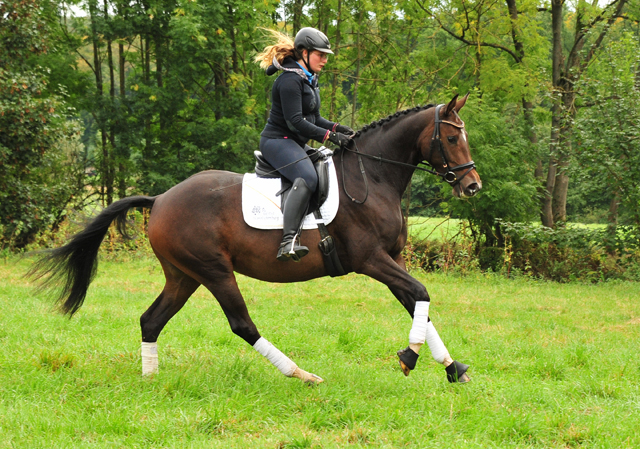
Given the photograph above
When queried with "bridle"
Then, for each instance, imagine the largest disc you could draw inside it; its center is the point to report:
(448, 176)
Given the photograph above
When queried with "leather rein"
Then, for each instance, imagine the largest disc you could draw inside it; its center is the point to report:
(448, 176)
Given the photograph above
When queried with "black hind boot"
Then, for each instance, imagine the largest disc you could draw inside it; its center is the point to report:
(295, 208)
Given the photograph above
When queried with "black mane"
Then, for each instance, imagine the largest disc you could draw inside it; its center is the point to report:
(382, 121)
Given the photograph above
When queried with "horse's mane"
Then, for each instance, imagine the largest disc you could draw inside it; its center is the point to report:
(382, 121)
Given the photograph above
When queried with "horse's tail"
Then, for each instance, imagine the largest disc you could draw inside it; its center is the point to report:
(74, 265)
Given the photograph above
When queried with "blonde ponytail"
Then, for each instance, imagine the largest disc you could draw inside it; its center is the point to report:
(280, 50)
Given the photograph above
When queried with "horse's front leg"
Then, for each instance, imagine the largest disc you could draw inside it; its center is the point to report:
(414, 297)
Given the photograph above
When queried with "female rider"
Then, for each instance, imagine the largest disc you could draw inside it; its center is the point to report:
(294, 119)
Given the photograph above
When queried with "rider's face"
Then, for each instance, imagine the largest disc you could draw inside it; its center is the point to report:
(317, 60)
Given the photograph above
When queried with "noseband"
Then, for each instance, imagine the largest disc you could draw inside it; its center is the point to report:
(448, 176)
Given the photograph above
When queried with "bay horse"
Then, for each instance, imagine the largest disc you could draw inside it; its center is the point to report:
(198, 234)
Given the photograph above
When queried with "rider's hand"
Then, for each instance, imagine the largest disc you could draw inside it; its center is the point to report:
(338, 139)
(344, 129)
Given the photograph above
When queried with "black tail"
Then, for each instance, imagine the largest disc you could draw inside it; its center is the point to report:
(75, 264)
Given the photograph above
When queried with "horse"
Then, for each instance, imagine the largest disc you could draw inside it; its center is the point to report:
(197, 232)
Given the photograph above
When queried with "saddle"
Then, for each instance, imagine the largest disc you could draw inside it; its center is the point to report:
(318, 157)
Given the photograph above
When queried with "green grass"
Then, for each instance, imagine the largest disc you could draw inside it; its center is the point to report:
(552, 366)
(433, 228)
(444, 228)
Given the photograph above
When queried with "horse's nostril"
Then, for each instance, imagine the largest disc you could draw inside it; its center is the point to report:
(472, 188)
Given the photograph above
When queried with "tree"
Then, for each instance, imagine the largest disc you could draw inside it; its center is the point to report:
(591, 25)
(608, 128)
(39, 169)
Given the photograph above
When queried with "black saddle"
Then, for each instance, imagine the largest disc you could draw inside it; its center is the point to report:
(265, 170)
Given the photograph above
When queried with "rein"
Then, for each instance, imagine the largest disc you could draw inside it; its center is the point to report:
(449, 176)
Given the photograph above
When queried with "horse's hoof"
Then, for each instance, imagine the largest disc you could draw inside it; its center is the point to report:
(307, 378)
(408, 359)
(405, 369)
(314, 380)
(456, 373)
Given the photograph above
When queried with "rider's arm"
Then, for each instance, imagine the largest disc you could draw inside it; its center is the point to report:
(324, 123)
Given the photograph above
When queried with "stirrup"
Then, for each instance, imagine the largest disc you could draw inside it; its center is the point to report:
(289, 250)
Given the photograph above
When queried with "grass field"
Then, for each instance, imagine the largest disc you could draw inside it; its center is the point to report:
(444, 228)
(433, 228)
(552, 366)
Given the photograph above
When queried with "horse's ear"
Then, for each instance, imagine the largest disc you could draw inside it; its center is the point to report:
(460, 103)
(451, 105)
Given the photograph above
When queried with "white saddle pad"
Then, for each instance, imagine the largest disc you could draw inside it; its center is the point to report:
(261, 206)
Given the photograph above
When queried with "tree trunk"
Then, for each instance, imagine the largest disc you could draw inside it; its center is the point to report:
(546, 213)
(100, 116)
(159, 62)
(146, 60)
(324, 13)
(220, 80)
(612, 219)
(563, 152)
(110, 175)
(232, 35)
(96, 44)
(527, 106)
(121, 69)
(357, 74)
(122, 183)
(297, 8)
(334, 81)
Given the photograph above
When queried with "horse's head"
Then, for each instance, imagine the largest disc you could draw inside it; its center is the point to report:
(445, 146)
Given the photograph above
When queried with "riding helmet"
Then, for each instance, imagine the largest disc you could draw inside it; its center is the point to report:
(311, 39)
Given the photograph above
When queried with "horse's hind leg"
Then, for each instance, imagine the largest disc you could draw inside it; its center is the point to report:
(177, 290)
(224, 287)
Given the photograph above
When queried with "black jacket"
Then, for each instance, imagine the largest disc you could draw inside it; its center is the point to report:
(295, 107)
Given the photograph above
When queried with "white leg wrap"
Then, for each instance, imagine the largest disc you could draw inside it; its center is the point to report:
(275, 356)
(434, 341)
(418, 332)
(149, 358)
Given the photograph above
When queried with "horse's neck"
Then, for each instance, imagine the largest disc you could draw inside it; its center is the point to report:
(400, 144)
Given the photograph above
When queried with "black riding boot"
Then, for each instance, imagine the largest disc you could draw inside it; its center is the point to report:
(295, 208)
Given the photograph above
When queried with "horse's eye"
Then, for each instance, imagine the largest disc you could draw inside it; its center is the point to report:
(452, 139)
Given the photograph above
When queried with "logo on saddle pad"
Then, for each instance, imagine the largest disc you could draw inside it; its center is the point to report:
(261, 206)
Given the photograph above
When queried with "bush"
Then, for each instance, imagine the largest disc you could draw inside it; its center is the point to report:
(114, 246)
(571, 253)
(564, 254)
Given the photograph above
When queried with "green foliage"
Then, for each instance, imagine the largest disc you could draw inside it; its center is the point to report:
(165, 89)
(564, 254)
(505, 163)
(608, 135)
(571, 253)
(39, 167)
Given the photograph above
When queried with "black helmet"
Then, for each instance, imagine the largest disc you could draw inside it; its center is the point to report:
(312, 39)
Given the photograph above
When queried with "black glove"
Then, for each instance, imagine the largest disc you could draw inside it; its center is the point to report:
(339, 139)
(344, 129)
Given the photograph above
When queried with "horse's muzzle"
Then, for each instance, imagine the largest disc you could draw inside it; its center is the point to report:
(467, 191)
(472, 189)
